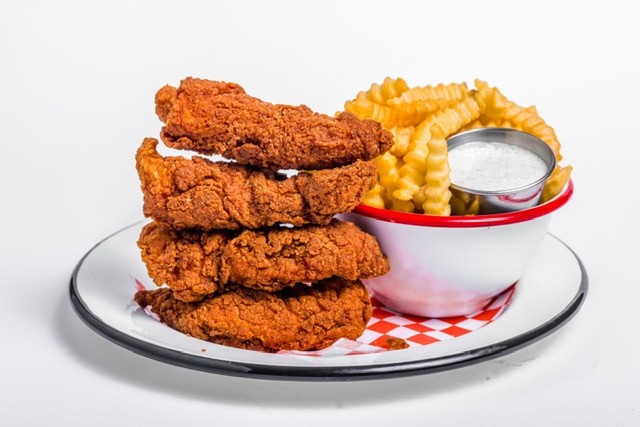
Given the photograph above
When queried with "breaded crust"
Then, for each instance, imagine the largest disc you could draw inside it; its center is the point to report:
(195, 264)
(220, 118)
(198, 193)
(298, 318)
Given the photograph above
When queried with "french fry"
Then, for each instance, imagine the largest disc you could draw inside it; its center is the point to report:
(390, 88)
(437, 181)
(389, 117)
(556, 182)
(403, 205)
(439, 95)
(497, 106)
(464, 203)
(375, 197)
(412, 174)
(388, 170)
(401, 140)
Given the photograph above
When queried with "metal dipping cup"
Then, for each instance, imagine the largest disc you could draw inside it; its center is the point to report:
(508, 200)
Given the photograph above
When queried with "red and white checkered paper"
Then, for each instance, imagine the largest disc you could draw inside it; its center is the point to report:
(416, 331)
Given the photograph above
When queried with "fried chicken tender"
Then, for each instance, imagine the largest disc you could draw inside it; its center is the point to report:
(220, 118)
(198, 193)
(195, 264)
(298, 318)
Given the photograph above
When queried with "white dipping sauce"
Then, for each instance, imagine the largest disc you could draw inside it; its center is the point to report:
(494, 166)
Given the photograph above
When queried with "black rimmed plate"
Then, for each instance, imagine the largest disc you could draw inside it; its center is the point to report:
(102, 289)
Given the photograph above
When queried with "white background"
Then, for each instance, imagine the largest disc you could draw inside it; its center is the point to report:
(77, 81)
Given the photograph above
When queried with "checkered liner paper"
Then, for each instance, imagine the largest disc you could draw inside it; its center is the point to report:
(387, 325)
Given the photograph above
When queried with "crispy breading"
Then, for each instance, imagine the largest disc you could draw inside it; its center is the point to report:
(299, 318)
(198, 193)
(220, 118)
(195, 263)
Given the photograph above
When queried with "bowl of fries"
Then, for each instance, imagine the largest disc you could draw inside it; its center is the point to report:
(444, 266)
(450, 256)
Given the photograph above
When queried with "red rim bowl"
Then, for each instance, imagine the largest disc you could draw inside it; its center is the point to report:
(468, 221)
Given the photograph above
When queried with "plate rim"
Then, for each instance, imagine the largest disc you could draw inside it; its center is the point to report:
(324, 373)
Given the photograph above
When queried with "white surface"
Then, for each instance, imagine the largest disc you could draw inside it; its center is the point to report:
(77, 86)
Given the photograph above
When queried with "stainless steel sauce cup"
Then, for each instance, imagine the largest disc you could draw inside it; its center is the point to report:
(508, 200)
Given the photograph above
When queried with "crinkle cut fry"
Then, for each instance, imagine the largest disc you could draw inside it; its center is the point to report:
(497, 107)
(556, 182)
(196, 263)
(440, 94)
(197, 193)
(220, 118)
(436, 189)
(412, 173)
(501, 112)
(299, 318)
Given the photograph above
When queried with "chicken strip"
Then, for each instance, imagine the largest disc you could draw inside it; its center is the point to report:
(195, 264)
(220, 118)
(198, 193)
(298, 318)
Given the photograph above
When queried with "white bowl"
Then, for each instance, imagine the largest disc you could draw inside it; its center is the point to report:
(444, 266)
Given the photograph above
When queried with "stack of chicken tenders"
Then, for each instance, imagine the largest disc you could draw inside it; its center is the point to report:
(245, 255)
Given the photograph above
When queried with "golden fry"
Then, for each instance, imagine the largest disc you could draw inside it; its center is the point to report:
(464, 203)
(439, 95)
(401, 140)
(437, 179)
(497, 106)
(390, 88)
(403, 205)
(388, 172)
(375, 197)
(389, 117)
(556, 182)
(412, 174)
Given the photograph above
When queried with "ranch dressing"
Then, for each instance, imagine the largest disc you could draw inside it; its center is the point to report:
(494, 166)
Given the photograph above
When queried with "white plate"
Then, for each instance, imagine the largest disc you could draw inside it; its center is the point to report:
(102, 289)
